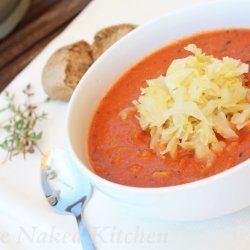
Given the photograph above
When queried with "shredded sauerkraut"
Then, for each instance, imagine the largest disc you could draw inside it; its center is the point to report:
(200, 98)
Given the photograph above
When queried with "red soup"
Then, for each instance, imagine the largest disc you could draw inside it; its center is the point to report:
(119, 151)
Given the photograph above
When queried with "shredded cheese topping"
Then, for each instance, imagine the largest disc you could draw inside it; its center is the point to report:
(200, 98)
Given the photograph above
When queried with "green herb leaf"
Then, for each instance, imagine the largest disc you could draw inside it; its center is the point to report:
(47, 99)
(22, 137)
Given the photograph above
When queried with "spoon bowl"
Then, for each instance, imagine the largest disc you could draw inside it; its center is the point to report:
(65, 191)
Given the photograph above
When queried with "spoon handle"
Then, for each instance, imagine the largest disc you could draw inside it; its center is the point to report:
(87, 243)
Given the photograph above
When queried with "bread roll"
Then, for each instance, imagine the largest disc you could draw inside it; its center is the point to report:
(65, 68)
(108, 36)
(67, 65)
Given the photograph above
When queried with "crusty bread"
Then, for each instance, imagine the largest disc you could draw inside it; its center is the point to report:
(108, 36)
(67, 65)
(65, 68)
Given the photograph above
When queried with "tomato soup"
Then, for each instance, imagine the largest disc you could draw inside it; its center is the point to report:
(119, 150)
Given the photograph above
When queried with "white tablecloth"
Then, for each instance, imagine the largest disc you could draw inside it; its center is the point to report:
(26, 220)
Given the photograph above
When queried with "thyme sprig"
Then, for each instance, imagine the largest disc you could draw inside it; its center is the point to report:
(22, 136)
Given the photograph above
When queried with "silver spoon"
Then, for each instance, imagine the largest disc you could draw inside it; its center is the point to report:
(66, 190)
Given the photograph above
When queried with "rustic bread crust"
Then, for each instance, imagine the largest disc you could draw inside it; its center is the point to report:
(65, 68)
(79, 60)
(108, 36)
(67, 65)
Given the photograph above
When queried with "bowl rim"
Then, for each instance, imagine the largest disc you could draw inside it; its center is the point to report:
(76, 94)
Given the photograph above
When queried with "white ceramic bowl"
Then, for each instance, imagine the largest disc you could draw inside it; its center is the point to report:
(218, 195)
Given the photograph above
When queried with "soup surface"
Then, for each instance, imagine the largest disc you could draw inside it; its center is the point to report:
(119, 150)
